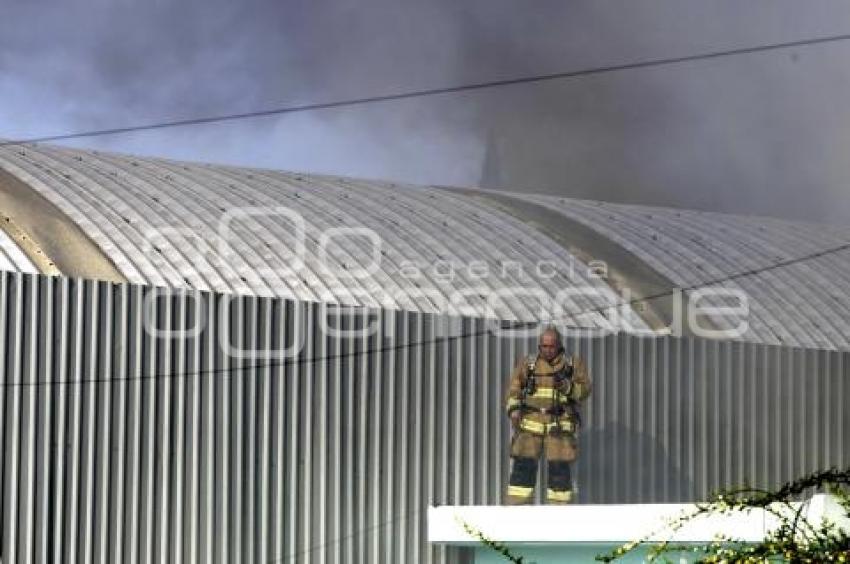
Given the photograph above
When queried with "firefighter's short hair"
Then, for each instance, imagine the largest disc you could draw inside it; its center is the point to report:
(551, 330)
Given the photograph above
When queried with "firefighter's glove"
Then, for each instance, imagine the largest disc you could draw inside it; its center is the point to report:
(579, 370)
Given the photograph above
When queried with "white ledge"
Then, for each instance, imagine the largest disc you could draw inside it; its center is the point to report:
(610, 523)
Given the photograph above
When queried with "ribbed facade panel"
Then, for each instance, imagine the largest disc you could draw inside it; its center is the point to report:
(124, 442)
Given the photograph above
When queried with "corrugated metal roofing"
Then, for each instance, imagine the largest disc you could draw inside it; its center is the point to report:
(165, 223)
(160, 223)
(806, 303)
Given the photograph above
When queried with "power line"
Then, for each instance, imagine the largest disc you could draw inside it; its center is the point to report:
(420, 511)
(730, 278)
(433, 91)
(298, 361)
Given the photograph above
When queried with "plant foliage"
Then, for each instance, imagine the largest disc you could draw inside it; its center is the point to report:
(794, 540)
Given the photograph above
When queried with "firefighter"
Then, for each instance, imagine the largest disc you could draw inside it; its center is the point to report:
(542, 403)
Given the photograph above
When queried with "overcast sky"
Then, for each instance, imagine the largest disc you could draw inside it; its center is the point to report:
(762, 133)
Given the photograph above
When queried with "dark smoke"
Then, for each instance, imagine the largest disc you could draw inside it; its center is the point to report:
(761, 133)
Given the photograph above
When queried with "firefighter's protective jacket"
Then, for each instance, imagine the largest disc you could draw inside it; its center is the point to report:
(551, 402)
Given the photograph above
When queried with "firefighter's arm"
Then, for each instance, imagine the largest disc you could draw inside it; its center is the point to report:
(513, 400)
(581, 380)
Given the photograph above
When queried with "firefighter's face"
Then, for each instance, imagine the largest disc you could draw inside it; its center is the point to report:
(548, 346)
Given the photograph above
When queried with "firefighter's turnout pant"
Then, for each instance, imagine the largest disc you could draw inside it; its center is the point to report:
(558, 442)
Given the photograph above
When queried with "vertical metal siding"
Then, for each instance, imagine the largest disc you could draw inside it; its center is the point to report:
(124, 445)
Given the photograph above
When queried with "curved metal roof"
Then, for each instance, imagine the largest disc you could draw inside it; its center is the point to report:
(804, 303)
(238, 230)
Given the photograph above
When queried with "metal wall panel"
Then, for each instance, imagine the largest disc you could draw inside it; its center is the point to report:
(128, 436)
